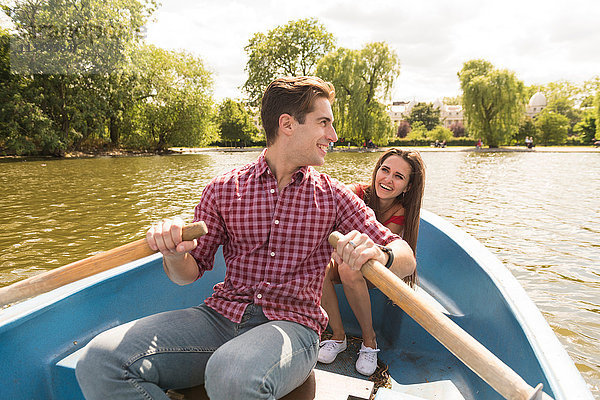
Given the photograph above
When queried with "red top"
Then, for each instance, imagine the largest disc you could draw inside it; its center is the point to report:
(396, 219)
(275, 243)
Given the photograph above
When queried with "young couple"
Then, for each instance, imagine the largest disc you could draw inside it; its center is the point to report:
(257, 336)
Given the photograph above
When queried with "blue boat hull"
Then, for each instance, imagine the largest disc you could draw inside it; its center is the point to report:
(456, 272)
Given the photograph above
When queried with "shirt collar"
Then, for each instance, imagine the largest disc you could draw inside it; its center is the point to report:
(262, 167)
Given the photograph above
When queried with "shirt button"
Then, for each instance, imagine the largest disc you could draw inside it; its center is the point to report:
(272, 190)
(276, 222)
(272, 254)
(259, 296)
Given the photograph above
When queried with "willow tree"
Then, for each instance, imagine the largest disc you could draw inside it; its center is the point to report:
(293, 49)
(493, 101)
(363, 80)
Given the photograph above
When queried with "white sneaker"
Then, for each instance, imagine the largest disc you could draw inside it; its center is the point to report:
(329, 349)
(367, 360)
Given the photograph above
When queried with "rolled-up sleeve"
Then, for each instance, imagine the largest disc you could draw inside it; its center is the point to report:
(207, 211)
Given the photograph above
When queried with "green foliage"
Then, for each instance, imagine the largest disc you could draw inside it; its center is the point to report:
(526, 128)
(565, 106)
(425, 113)
(406, 142)
(235, 123)
(440, 133)
(293, 49)
(93, 83)
(553, 127)
(453, 101)
(586, 128)
(418, 132)
(178, 106)
(69, 37)
(597, 107)
(363, 80)
(493, 101)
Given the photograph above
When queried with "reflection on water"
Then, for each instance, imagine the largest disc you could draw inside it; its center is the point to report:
(538, 212)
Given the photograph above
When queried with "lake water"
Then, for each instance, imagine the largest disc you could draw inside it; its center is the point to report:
(539, 213)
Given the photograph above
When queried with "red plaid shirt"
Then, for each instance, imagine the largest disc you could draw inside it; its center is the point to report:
(275, 244)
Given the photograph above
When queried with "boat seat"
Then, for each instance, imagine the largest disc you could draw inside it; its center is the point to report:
(320, 385)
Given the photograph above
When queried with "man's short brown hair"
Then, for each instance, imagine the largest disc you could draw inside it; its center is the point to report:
(294, 96)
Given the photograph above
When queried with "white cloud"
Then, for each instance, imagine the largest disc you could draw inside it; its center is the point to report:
(541, 41)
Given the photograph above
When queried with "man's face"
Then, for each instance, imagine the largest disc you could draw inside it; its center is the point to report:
(311, 139)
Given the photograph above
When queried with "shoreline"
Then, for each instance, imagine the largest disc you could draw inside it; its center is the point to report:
(197, 150)
(505, 149)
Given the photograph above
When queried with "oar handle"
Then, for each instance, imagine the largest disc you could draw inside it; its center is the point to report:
(100, 262)
(472, 353)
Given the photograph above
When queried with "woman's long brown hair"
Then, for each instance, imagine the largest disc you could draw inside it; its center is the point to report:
(411, 201)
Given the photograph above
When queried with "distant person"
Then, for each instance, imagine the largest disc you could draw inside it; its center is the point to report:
(257, 336)
(479, 144)
(395, 194)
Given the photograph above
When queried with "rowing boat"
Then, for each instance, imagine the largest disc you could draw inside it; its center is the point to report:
(41, 337)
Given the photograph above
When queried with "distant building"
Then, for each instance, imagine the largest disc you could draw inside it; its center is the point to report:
(449, 114)
(536, 104)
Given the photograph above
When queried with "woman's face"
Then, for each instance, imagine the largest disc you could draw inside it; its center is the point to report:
(392, 178)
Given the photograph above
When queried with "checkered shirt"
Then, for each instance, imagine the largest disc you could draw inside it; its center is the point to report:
(275, 243)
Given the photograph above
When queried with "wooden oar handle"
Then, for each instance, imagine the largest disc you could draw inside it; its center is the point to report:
(194, 230)
(472, 353)
(77, 270)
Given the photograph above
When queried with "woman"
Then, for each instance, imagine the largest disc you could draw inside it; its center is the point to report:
(395, 194)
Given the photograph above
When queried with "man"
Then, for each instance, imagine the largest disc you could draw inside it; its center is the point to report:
(257, 336)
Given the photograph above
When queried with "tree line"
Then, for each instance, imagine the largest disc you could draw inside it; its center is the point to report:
(78, 75)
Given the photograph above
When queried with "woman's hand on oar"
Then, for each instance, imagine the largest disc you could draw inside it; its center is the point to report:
(472, 353)
(355, 249)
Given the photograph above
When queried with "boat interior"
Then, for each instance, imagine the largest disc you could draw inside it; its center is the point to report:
(417, 365)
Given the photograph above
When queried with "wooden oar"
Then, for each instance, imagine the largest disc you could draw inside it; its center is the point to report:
(87, 267)
(472, 353)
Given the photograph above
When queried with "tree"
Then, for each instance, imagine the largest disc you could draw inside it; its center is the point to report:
(403, 129)
(363, 80)
(235, 122)
(565, 106)
(67, 51)
(453, 101)
(178, 107)
(457, 128)
(597, 106)
(553, 127)
(427, 113)
(24, 127)
(293, 49)
(586, 128)
(527, 127)
(492, 101)
(440, 133)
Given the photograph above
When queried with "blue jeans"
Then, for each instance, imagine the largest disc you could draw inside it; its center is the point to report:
(253, 359)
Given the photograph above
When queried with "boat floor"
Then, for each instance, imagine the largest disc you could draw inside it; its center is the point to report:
(425, 378)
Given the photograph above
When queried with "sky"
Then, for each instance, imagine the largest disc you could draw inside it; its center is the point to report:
(541, 41)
